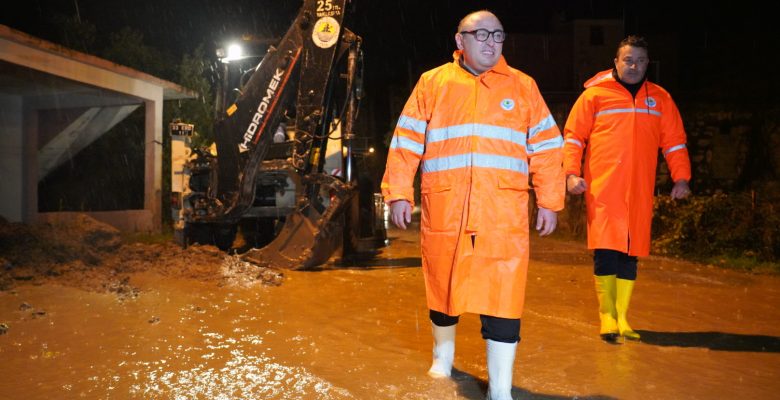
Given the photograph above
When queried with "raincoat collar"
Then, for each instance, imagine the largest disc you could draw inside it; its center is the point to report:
(501, 66)
(603, 76)
(607, 76)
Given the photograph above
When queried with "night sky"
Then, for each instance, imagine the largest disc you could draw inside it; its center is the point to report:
(717, 42)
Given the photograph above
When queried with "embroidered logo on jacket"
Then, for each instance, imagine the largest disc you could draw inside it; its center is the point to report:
(507, 104)
(650, 102)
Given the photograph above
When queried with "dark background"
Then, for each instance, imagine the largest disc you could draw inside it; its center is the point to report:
(715, 41)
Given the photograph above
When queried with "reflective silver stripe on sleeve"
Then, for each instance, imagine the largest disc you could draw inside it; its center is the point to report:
(402, 142)
(674, 148)
(574, 142)
(412, 124)
(554, 143)
(543, 125)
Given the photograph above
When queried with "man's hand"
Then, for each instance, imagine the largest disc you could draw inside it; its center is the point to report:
(546, 221)
(680, 190)
(575, 184)
(400, 213)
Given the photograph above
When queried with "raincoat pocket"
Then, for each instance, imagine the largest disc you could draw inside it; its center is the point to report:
(440, 213)
(512, 198)
(511, 183)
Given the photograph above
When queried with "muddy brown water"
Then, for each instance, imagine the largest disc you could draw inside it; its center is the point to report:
(362, 332)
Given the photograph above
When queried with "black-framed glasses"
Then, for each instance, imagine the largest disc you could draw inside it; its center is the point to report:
(483, 34)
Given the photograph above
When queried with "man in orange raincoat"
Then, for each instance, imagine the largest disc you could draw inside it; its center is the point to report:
(479, 129)
(620, 121)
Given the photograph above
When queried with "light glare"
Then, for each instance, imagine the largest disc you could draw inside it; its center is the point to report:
(234, 52)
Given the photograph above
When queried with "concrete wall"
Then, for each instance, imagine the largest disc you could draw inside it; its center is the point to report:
(12, 192)
(48, 76)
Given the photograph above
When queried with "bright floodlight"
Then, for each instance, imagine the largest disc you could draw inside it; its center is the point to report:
(234, 52)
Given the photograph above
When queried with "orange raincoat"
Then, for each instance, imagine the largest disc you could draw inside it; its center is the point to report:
(479, 138)
(621, 137)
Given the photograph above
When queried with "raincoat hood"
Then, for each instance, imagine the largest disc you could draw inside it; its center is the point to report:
(601, 77)
(608, 77)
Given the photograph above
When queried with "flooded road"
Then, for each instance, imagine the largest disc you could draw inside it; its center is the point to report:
(362, 332)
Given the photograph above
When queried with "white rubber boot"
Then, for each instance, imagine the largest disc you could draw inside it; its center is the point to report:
(443, 351)
(500, 361)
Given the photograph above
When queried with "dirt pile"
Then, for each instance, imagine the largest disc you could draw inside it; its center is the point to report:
(91, 255)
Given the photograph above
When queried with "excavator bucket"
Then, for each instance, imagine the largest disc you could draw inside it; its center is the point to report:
(308, 238)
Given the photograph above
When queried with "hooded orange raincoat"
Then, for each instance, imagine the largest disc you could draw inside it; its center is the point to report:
(477, 138)
(620, 136)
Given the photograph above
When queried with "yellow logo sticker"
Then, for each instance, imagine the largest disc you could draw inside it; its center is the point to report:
(325, 32)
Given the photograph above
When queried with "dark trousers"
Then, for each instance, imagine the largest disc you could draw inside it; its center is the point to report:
(613, 262)
(494, 328)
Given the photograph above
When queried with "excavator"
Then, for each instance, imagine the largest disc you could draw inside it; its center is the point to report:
(285, 176)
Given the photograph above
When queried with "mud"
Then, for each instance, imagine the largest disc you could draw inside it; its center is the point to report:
(93, 256)
(151, 321)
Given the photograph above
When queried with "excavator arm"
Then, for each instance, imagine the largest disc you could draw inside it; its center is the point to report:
(294, 74)
(309, 81)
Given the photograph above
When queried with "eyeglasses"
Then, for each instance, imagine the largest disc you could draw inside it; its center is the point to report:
(483, 34)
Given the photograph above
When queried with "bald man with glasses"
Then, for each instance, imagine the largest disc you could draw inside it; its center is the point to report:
(479, 131)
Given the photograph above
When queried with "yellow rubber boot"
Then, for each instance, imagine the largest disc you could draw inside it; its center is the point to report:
(606, 292)
(624, 289)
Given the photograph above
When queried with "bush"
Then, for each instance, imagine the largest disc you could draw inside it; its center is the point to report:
(736, 225)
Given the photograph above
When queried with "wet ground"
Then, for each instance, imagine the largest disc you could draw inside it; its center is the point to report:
(361, 332)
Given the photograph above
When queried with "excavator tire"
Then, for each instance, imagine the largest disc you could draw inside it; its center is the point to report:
(224, 236)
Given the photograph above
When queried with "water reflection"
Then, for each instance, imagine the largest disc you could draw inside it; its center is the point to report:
(363, 333)
(241, 375)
